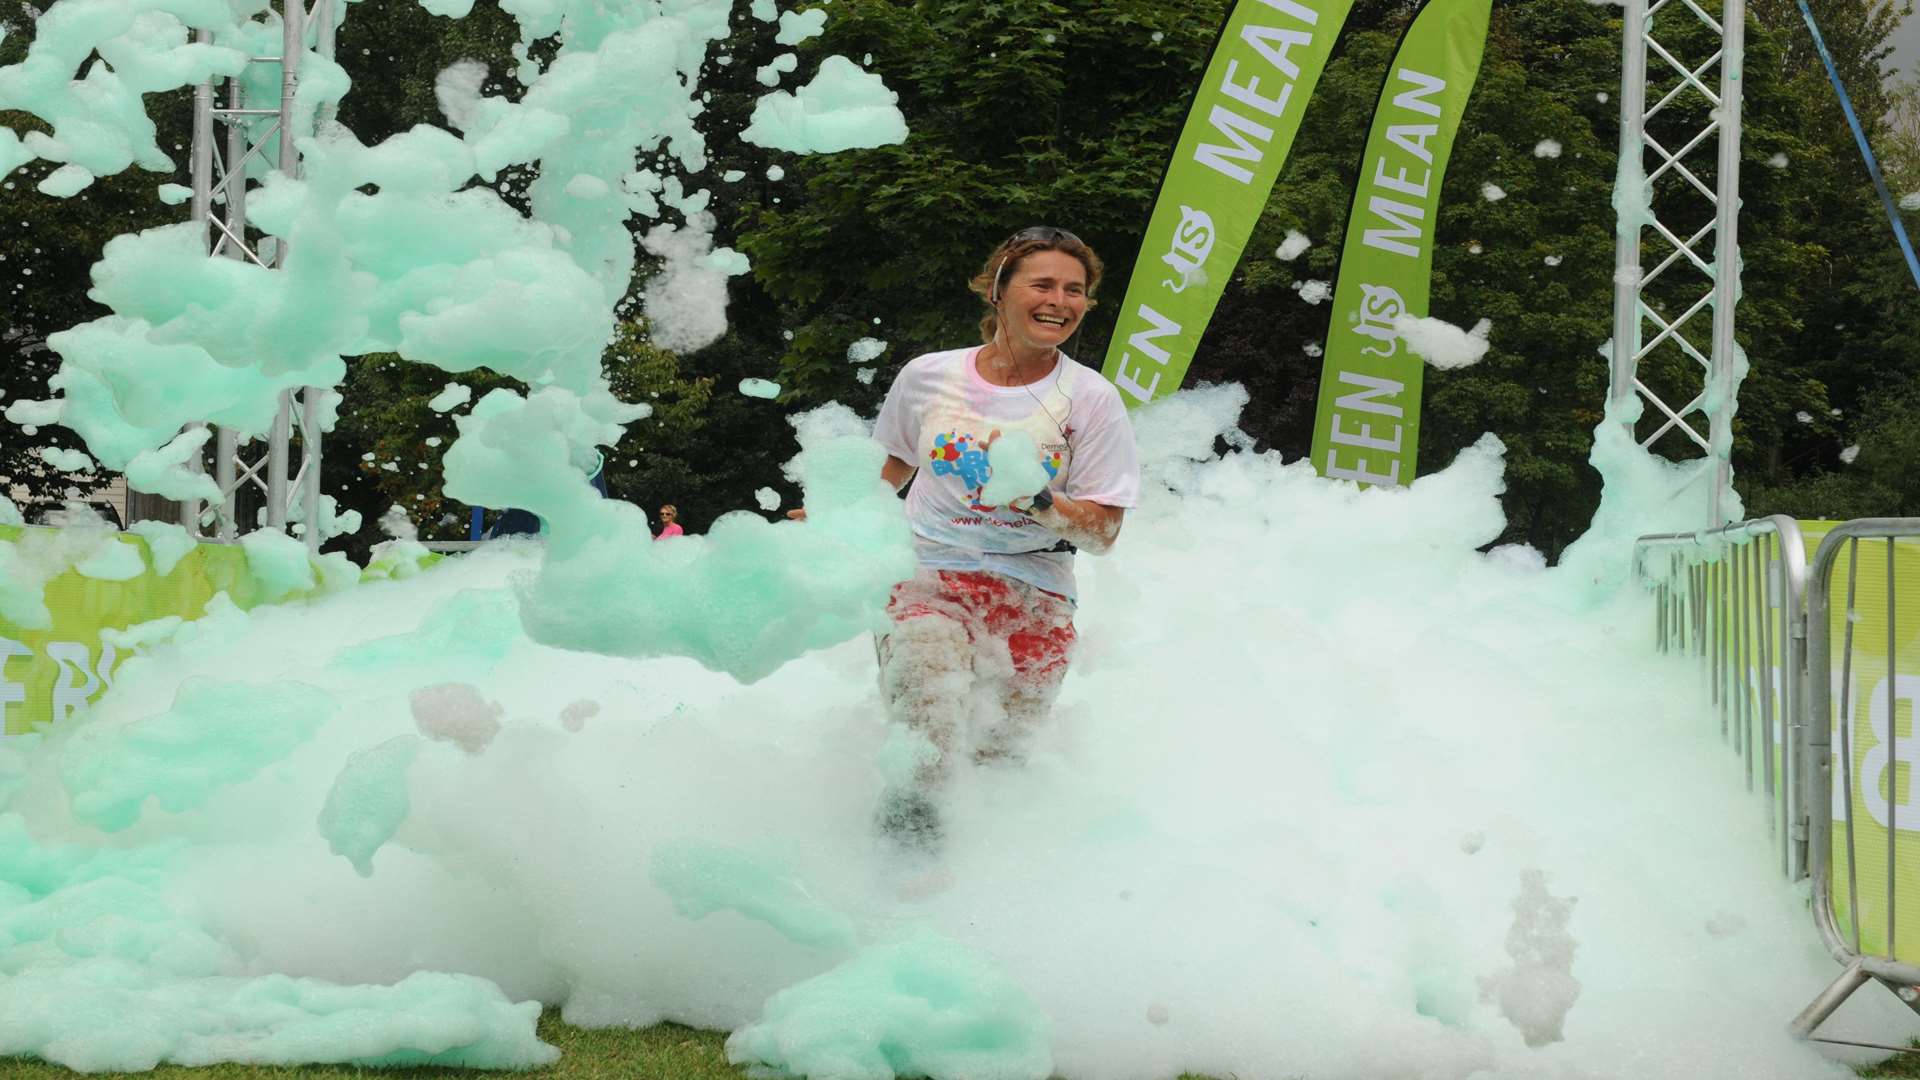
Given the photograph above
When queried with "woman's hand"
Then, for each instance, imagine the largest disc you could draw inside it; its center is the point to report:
(1090, 526)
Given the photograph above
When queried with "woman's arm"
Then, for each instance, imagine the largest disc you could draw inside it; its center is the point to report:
(896, 472)
(1090, 526)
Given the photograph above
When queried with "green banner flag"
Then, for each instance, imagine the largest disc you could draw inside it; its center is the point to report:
(1367, 426)
(1239, 130)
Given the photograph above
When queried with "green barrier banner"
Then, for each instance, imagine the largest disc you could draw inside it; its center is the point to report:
(1238, 133)
(1876, 713)
(1367, 426)
(47, 673)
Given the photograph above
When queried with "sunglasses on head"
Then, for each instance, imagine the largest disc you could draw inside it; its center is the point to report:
(1046, 234)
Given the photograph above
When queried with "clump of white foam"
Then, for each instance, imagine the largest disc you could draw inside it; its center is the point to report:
(278, 564)
(744, 598)
(1291, 247)
(397, 524)
(866, 350)
(451, 397)
(703, 878)
(112, 561)
(1547, 148)
(368, 801)
(1017, 472)
(769, 74)
(166, 542)
(64, 460)
(686, 302)
(1442, 344)
(210, 735)
(575, 716)
(1537, 992)
(842, 108)
(798, 26)
(456, 713)
(164, 471)
(922, 1006)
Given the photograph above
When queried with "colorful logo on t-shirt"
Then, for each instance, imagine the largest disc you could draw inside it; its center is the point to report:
(964, 456)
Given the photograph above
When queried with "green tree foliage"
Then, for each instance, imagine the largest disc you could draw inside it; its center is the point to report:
(1882, 479)
(1044, 111)
(1829, 316)
(1027, 112)
(1022, 112)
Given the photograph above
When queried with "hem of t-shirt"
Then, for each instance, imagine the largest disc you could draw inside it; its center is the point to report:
(1072, 596)
(970, 559)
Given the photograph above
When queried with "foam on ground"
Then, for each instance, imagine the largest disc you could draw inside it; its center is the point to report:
(1284, 822)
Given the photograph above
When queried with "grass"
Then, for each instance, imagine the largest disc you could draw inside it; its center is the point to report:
(1899, 1065)
(662, 1052)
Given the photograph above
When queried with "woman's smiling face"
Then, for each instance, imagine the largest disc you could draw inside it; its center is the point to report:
(1044, 299)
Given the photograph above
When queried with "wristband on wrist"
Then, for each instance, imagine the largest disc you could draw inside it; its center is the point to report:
(1043, 500)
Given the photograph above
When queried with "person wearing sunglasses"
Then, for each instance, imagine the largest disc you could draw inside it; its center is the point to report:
(670, 522)
(990, 611)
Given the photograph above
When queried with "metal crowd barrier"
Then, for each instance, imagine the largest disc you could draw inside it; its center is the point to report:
(1733, 596)
(1745, 600)
(1839, 914)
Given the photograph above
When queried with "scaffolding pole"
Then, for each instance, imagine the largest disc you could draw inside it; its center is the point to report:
(290, 492)
(1665, 147)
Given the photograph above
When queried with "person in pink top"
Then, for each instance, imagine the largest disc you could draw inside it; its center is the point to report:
(990, 611)
(670, 522)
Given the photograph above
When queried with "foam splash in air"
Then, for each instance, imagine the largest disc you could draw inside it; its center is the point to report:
(1440, 343)
(416, 259)
(866, 350)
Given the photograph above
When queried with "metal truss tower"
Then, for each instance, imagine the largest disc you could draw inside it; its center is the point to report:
(1677, 277)
(221, 161)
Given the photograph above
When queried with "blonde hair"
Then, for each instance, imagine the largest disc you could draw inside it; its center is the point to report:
(1005, 261)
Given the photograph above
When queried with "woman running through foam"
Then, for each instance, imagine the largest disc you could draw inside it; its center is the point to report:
(992, 605)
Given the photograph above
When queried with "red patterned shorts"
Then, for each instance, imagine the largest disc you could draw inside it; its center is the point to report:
(1037, 625)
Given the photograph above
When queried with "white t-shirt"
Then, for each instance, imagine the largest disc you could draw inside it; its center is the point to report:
(938, 417)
